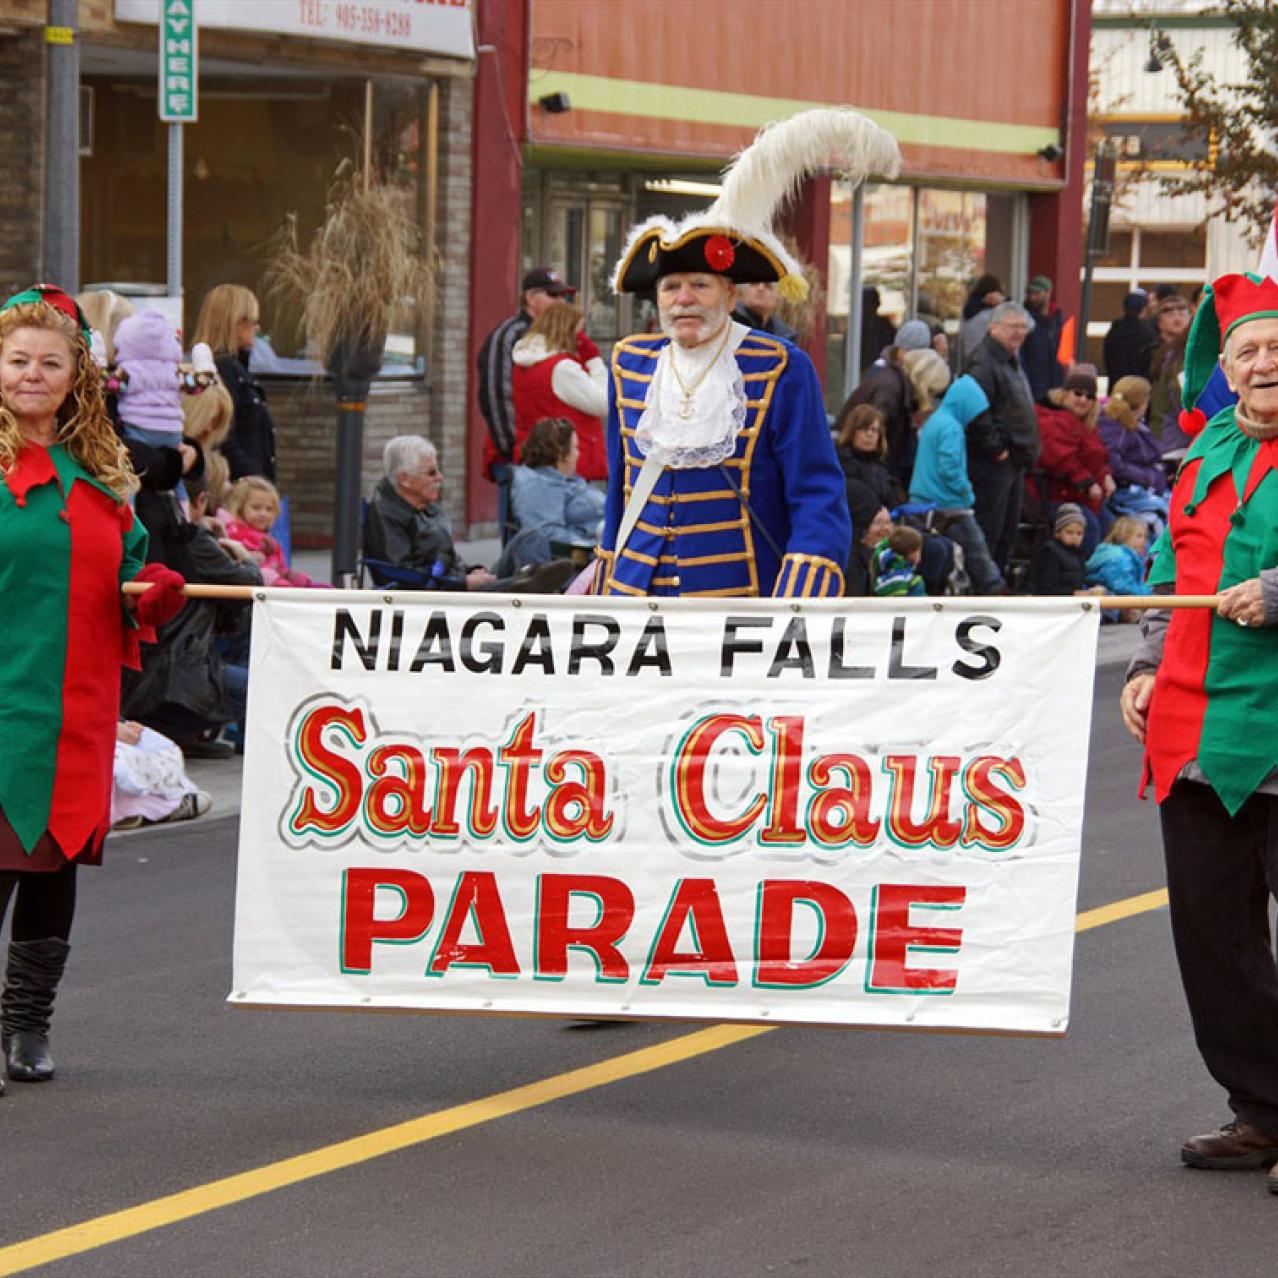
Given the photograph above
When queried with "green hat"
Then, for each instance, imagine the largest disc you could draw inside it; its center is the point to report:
(52, 295)
(1226, 303)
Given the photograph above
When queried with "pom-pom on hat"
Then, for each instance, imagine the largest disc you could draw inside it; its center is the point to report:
(52, 295)
(734, 236)
(1227, 302)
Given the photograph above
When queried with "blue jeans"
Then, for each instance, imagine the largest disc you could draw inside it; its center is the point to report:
(235, 685)
(986, 578)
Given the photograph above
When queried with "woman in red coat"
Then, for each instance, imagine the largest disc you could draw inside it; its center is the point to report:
(68, 541)
(558, 373)
(1074, 460)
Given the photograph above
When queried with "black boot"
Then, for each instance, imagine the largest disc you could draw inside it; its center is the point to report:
(31, 981)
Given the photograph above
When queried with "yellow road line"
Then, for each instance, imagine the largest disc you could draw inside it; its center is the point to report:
(118, 1225)
(1117, 910)
(101, 1231)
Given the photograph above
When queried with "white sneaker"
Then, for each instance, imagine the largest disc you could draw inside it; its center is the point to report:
(192, 806)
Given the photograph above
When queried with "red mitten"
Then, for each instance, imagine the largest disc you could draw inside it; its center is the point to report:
(586, 349)
(164, 600)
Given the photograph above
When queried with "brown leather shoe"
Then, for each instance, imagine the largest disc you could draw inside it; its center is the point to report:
(1237, 1145)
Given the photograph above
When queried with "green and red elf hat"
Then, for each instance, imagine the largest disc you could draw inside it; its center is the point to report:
(1226, 303)
(52, 295)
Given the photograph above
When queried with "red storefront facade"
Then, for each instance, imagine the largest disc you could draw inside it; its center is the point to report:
(661, 95)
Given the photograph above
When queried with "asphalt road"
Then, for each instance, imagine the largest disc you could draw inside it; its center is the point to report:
(799, 1152)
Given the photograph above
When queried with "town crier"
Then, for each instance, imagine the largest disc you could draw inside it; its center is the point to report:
(722, 477)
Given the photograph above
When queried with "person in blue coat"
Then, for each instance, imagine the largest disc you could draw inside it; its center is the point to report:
(940, 480)
(722, 475)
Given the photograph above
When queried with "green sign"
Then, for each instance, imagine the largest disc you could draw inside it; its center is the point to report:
(179, 62)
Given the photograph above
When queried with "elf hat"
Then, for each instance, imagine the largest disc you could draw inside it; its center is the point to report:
(52, 295)
(734, 236)
(1226, 303)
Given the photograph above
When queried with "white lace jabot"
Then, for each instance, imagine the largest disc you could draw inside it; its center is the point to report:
(708, 435)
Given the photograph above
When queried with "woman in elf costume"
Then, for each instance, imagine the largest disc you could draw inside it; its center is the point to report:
(68, 541)
(1202, 694)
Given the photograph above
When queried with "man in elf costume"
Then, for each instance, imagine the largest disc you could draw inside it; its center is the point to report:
(722, 478)
(1200, 695)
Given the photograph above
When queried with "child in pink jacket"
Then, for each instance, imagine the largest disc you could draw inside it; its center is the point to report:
(254, 505)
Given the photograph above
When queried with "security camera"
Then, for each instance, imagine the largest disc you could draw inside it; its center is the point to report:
(554, 103)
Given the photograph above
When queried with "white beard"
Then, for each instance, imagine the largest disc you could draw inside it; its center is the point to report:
(712, 322)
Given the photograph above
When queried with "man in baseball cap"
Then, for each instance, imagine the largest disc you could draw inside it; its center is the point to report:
(544, 279)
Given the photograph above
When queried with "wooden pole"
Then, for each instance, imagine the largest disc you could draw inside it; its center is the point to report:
(193, 591)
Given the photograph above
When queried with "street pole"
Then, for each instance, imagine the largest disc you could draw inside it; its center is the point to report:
(1097, 236)
(856, 310)
(61, 259)
(177, 101)
(174, 255)
(352, 399)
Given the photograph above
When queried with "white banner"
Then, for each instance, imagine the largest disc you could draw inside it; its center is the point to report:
(428, 26)
(822, 811)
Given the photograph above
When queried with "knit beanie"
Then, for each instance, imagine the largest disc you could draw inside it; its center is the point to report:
(1082, 377)
(913, 335)
(1067, 513)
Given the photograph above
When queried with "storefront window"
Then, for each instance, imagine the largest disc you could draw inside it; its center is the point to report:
(886, 266)
(951, 253)
(262, 150)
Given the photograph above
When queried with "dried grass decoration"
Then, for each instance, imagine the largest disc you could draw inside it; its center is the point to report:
(365, 266)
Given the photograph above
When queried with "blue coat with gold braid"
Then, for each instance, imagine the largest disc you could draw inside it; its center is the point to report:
(695, 536)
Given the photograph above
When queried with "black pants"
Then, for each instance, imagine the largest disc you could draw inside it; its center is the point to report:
(1221, 872)
(45, 904)
(999, 488)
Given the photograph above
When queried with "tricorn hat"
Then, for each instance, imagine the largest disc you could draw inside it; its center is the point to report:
(734, 236)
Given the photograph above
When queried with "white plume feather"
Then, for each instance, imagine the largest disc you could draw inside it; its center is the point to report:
(771, 168)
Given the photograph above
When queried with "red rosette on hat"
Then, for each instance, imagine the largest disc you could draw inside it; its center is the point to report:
(720, 254)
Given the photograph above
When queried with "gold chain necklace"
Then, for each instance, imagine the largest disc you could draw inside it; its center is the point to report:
(685, 409)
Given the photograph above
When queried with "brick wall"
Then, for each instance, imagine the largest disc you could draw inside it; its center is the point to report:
(21, 159)
(305, 414)
(449, 369)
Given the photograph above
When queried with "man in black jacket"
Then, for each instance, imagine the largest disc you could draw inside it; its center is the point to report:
(1131, 340)
(1002, 443)
(540, 289)
(406, 527)
(405, 524)
(757, 306)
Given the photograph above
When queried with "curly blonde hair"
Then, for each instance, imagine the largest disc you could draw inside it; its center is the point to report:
(84, 426)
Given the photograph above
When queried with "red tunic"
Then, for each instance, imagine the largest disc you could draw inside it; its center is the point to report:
(66, 545)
